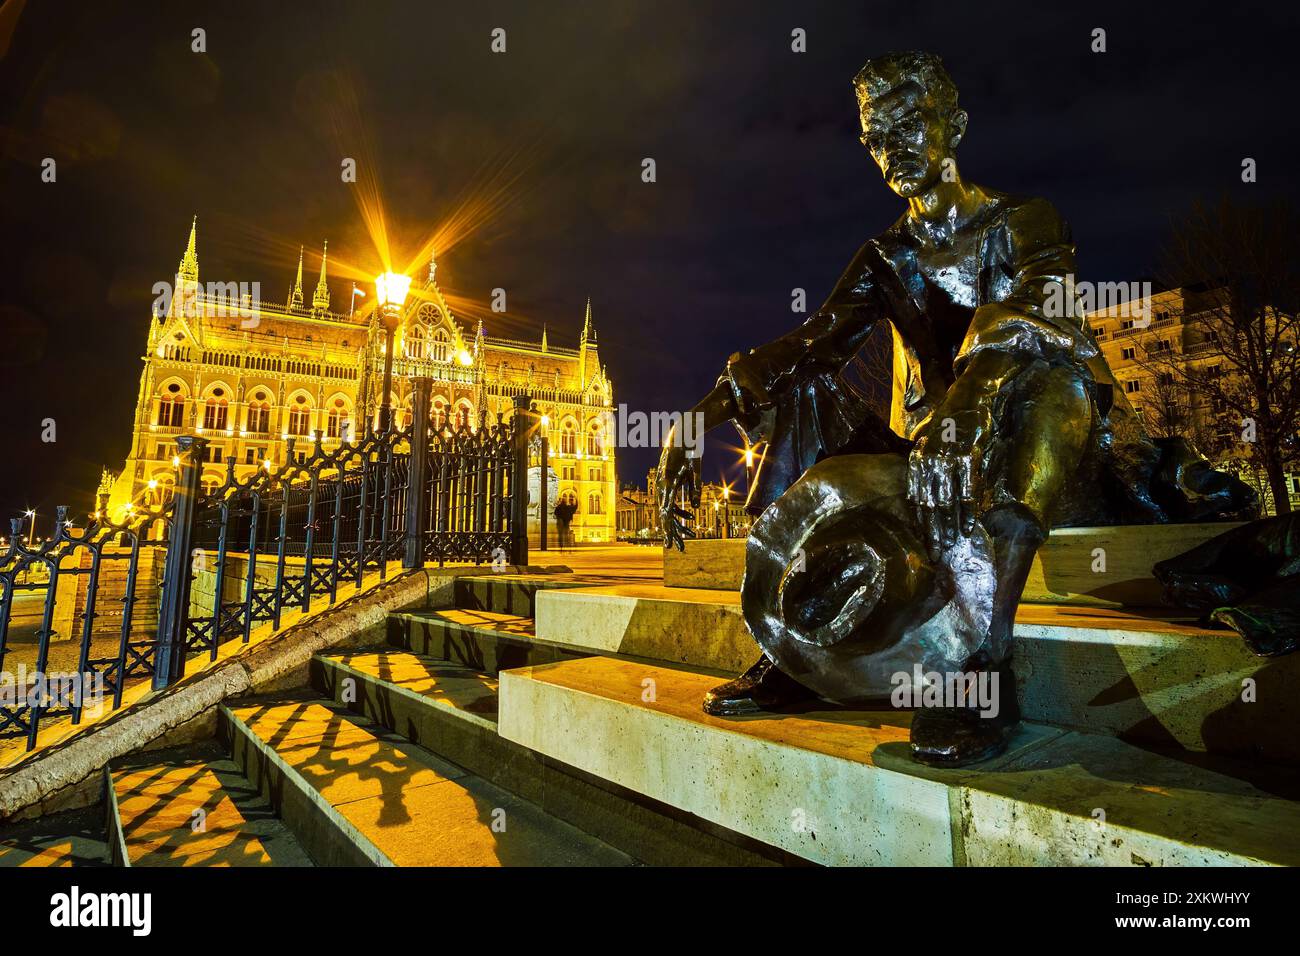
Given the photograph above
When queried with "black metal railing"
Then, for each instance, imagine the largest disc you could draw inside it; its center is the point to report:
(175, 582)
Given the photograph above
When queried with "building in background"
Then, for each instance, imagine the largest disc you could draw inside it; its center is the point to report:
(1150, 353)
(255, 377)
(721, 513)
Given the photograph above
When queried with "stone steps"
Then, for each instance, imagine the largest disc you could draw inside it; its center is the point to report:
(838, 787)
(1140, 674)
(356, 794)
(451, 710)
(193, 808)
(486, 640)
(74, 838)
(504, 593)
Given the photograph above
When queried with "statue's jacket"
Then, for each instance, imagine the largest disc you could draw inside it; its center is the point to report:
(792, 394)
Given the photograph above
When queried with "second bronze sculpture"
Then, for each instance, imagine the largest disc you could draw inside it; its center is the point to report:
(881, 546)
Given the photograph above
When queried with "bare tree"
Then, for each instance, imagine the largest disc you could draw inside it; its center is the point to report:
(1239, 359)
(872, 370)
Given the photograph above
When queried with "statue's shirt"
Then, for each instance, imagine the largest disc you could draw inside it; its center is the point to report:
(986, 289)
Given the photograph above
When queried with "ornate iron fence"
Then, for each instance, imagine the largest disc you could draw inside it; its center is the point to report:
(212, 563)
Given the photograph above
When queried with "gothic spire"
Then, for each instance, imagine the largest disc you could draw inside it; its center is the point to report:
(320, 299)
(295, 297)
(189, 267)
(543, 336)
(433, 267)
(588, 330)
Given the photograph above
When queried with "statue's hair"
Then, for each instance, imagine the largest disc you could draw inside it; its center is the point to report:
(888, 72)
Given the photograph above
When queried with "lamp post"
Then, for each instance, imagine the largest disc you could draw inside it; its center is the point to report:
(544, 481)
(390, 289)
(726, 511)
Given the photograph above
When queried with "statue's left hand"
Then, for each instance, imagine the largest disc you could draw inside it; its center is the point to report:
(677, 473)
(945, 481)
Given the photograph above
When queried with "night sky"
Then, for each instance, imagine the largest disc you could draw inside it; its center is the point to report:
(528, 164)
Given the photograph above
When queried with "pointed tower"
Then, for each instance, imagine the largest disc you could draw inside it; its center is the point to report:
(433, 269)
(320, 299)
(295, 297)
(544, 349)
(587, 360)
(478, 339)
(588, 330)
(189, 267)
(186, 291)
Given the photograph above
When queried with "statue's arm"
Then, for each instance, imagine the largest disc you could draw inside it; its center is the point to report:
(1031, 320)
(827, 339)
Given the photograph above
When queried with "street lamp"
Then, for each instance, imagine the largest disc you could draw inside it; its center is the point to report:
(544, 479)
(390, 289)
(726, 513)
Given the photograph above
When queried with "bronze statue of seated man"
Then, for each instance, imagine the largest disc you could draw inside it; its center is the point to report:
(888, 549)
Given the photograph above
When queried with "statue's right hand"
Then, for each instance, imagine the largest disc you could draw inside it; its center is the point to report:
(676, 473)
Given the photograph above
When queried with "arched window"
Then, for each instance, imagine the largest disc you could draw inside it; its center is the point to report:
(439, 346)
(160, 490)
(299, 416)
(593, 503)
(259, 414)
(569, 498)
(415, 342)
(439, 414)
(336, 423)
(214, 412)
(463, 413)
(595, 440)
(568, 438)
(171, 407)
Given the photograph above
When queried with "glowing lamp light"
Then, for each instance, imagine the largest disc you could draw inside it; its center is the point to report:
(176, 461)
(153, 483)
(391, 289)
(749, 457)
(465, 358)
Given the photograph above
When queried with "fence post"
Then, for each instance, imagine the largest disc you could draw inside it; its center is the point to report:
(521, 431)
(417, 491)
(169, 656)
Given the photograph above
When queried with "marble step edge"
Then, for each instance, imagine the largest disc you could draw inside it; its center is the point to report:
(922, 815)
(651, 832)
(486, 630)
(337, 836)
(205, 758)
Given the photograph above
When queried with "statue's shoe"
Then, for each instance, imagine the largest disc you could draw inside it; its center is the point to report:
(762, 687)
(956, 736)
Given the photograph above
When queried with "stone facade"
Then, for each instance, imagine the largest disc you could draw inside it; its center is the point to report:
(251, 376)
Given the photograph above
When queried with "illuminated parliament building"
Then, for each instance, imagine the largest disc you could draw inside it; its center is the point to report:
(249, 375)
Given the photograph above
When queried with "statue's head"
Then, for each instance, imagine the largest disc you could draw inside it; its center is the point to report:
(910, 119)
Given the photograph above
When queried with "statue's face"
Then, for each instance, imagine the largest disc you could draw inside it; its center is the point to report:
(909, 138)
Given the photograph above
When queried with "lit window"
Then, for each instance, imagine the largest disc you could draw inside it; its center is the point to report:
(299, 417)
(214, 414)
(334, 425)
(170, 410)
